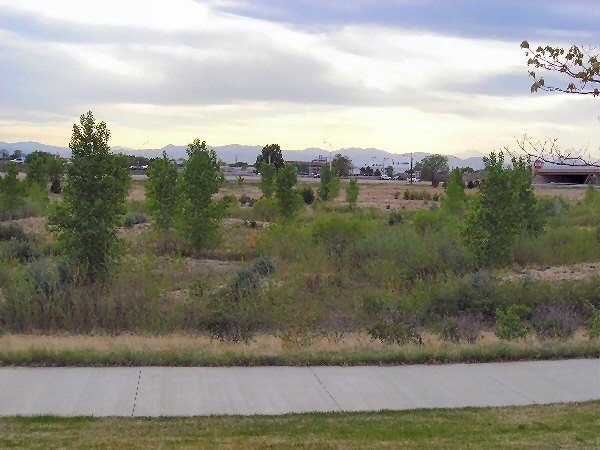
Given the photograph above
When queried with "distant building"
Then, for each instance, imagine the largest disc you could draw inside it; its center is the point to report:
(317, 164)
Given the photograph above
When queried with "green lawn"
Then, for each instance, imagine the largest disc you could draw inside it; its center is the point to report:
(574, 425)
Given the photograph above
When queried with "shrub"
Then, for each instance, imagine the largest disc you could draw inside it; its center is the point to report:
(234, 313)
(593, 326)
(461, 328)
(134, 218)
(44, 275)
(12, 231)
(352, 191)
(22, 251)
(416, 195)
(395, 218)
(265, 209)
(396, 195)
(337, 233)
(244, 199)
(308, 195)
(263, 266)
(552, 322)
(510, 324)
(426, 221)
(397, 327)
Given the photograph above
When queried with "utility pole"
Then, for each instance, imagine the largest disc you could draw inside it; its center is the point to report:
(411, 168)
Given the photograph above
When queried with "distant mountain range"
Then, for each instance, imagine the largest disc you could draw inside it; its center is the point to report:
(247, 153)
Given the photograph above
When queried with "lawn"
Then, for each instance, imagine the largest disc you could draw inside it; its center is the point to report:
(549, 426)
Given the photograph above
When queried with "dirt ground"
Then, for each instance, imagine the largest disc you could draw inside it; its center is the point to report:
(557, 273)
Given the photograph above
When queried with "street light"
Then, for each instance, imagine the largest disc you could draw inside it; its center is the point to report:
(330, 157)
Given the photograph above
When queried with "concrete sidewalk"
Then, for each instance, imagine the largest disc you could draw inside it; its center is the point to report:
(172, 391)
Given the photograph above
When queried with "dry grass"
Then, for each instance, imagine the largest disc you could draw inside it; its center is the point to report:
(263, 345)
(557, 273)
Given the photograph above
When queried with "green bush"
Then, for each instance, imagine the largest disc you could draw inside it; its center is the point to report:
(397, 326)
(510, 324)
(593, 325)
(429, 221)
(12, 231)
(265, 209)
(395, 218)
(134, 218)
(244, 199)
(263, 266)
(338, 233)
(308, 194)
(235, 313)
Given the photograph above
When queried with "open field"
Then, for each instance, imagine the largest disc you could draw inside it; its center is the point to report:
(344, 286)
(551, 426)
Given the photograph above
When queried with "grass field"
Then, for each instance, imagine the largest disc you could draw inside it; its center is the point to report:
(550, 426)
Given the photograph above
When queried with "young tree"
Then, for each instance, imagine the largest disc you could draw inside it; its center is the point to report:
(270, 154)
(36, 167)
(389, 171)
(267, 179)
(288, 199)
(198, 217)
(329, 186)
(342, 165)
(431, 165)
(86, 222)
(352, 191)
(161, 191)
(11, 192)
(454, 201)
(504, 207)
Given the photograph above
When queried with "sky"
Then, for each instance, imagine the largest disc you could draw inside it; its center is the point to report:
(406, 75)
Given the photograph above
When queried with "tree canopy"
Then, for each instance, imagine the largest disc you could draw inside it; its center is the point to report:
(87, 220)
(432, 165)
(270, 154)
(342, 165)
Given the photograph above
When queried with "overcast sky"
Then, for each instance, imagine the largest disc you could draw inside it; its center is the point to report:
(405, 75)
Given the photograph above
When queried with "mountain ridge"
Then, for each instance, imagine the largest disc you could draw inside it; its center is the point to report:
(247, 153)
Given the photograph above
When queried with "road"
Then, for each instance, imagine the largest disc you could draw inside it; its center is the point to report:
(172, 391)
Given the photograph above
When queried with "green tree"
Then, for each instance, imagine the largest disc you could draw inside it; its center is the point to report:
(270, 154)
(267, 179)
(289, 201)
(454, 201)
(161, 191)
(579, 65)
(504, 207)
(198, 217)
(342, 165)
(11, 192)
(432, 165)
(86, 222)
(36, 168)
(329, 185)
(389, 171)
(352, 191)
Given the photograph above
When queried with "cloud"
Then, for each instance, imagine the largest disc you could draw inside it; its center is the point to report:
(298, 71)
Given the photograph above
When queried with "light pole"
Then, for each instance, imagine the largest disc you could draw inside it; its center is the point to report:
(330, 157)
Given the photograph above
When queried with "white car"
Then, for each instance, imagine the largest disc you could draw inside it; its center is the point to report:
(385, 177)
(18, 160)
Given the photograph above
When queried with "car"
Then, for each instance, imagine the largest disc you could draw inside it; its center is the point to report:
(18, 160)
(316, 175)
(415, 180)
(385, 177)
(144, 167)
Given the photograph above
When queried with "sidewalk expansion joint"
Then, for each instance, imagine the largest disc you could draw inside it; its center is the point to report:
(137, 388)
(337, 405)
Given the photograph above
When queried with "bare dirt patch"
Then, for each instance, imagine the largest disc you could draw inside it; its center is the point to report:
(557, 273)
